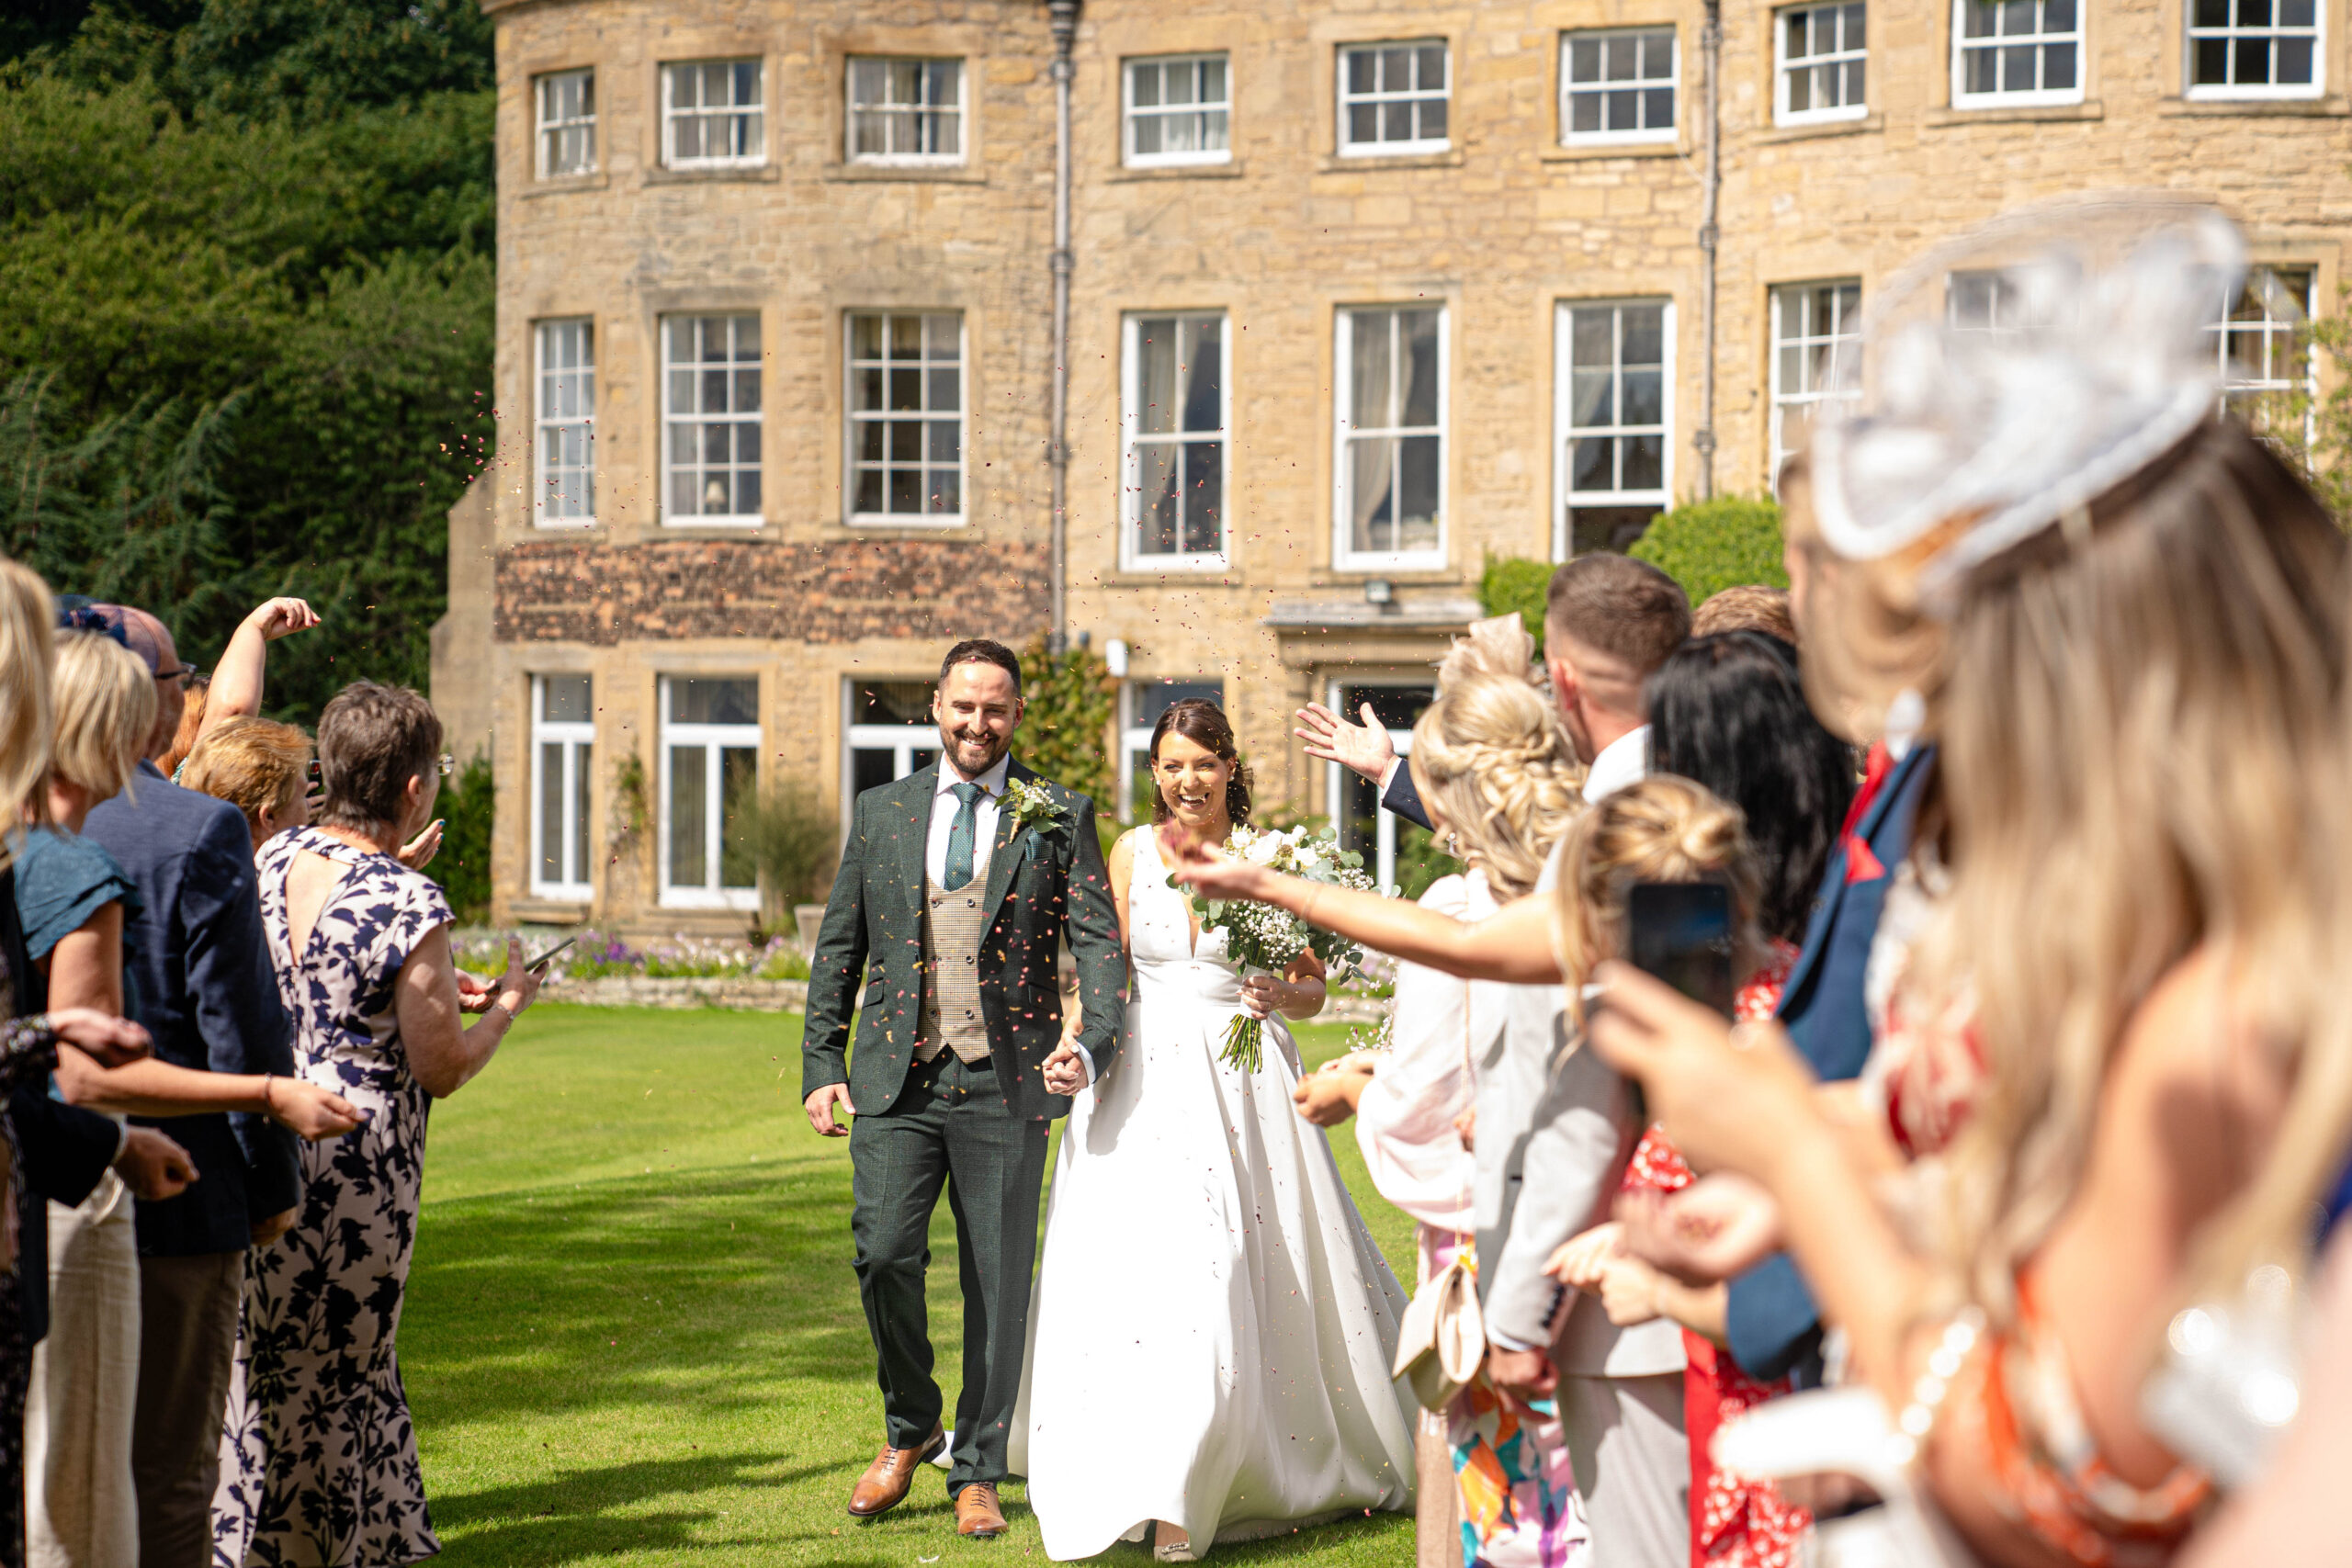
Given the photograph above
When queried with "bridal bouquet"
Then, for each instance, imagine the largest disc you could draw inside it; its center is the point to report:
(1258, 936)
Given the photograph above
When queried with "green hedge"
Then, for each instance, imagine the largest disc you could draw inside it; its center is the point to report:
(1709, 546)
(1513, 582)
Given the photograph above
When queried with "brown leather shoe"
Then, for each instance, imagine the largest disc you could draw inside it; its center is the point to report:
(887, 1480)
(977, 1514)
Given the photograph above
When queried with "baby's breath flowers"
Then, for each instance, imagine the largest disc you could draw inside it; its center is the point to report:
(1260, 936)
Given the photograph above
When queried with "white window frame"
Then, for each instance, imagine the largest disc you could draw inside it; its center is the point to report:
(1844, 330)
(578, 740)
(1564, 426)
(1349, 147)
(672, 115)
(1782, 67)
(915, 112)
(1130, 115)
(2264, 282)
(902, 740)
(550, 132)
(1569, 90)
(853, 417)
(1131, 438)
(2191, 32)
(551, 426)
(1962, 47)
(1344, 556)
(714, 738)
(1384, 858)
(671, 419)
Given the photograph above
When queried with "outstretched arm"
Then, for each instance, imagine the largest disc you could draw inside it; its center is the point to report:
(1513, 945)
(237, 681)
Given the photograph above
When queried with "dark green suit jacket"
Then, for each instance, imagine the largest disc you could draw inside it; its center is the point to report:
(1044, 881)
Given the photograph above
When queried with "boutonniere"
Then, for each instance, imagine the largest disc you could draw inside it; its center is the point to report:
(1032, 804)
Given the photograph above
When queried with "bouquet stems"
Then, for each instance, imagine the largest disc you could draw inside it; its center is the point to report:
(1245, 1040)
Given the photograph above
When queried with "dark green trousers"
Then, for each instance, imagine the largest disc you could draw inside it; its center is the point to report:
(951, 1126)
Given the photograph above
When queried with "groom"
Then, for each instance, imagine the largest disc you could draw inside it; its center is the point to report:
(956, 888)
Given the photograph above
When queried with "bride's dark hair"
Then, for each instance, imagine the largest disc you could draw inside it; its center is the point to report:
(1203, 724)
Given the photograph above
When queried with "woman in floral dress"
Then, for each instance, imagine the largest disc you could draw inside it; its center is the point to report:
(318, 1465)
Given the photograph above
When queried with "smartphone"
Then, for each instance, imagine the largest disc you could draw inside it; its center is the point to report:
(1681, 933)
(543, 959)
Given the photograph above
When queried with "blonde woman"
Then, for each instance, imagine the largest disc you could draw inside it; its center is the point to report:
(2137, 714)
(70, 900)
(69, 1150)
(1496, 772)
(259, 767)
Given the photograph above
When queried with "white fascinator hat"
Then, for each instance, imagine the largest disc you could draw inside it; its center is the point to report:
(2010, 377)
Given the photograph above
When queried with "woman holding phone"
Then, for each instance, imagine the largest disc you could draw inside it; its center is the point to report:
(361, 946)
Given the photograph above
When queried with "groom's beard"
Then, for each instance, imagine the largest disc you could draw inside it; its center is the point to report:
(973, 752)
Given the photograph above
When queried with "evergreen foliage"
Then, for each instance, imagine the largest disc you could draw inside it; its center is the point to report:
(1515, 582)
(1069, 704)
(247, 290)
(462, 868)
(1709, 546)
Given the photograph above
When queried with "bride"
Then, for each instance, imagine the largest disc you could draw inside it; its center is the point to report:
(1213, 1328)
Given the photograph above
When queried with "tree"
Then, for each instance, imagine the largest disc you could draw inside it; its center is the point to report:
(1070, 703)
(1709, 546)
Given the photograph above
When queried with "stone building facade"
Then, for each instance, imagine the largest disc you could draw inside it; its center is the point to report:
(1361, 295)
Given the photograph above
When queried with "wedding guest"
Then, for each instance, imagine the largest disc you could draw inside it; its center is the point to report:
(71, 898)
(1751, 608)
(234, 690)
(1497, 773)
(258, 766)
(47, 1148)
(1609, 623)
(377, 1011)
(196, 959)
(2137, 724)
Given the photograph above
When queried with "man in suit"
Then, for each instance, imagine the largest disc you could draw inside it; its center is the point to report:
(199, 966)
(1610, 622)
(1770, 1321)
(951, 905)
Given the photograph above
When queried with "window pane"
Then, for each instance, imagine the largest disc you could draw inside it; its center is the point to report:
(708, 700)
(551, 795)
(566, 699)
(1203, 407)
(1433, 119)
(1593, 464)
(1644, 463)
(1204, 496)
(2294, 68)
(689, 815)
(739, 784)
(1158, 499)
(1370, 504)
(1143, 85)
(1418, 489)
(582, 755)
(1370, 403)
(1421, 347)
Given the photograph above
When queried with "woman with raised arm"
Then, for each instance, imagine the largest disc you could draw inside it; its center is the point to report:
(1257, 1320)
(71, 899)
(1497, 773)
(361, 946)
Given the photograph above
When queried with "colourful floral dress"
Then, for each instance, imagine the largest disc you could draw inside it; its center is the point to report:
(1734, 1522)
(317, 1460)
(1519, 1507)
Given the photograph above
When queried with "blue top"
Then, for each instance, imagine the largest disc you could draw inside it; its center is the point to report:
(209, 994)
(62, 881)
(1770, 1318)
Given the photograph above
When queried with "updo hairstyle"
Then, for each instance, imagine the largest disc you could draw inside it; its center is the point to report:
(1662, 829)
(1203, 724)
(1491, 755)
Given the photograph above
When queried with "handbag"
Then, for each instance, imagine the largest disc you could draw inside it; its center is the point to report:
(1442, 1341)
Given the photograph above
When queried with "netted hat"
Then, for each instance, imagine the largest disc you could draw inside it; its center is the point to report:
(2010, 378)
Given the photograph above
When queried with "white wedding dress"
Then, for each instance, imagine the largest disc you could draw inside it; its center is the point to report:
(1213, 1327)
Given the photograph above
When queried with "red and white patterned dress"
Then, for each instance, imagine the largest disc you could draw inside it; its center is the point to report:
(1735, 1523)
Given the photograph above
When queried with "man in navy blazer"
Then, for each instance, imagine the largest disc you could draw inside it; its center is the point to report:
(1772, 1325)
(208, 994)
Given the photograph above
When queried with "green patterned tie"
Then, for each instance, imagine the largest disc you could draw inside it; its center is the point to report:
(960, 835)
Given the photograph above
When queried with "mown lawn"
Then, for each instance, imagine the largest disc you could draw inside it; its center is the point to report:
(632, 1336)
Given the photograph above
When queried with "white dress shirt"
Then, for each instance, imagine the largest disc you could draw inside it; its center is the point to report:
(1624, 761)
(987, 809)
(944, 806)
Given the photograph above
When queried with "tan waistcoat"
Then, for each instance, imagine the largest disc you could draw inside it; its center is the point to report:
(953, 925)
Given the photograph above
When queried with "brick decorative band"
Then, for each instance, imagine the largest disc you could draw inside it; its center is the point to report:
(578, 591)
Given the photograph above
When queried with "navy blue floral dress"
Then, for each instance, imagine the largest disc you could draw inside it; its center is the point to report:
(318, 1461)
